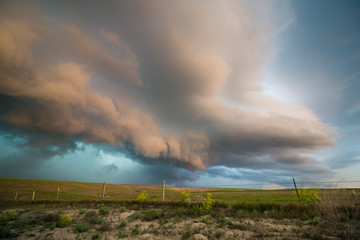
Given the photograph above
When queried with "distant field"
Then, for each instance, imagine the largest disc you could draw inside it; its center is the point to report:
(237, 213)
(47, 190)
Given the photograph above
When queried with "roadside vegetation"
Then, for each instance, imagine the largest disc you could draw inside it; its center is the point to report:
(316, 214)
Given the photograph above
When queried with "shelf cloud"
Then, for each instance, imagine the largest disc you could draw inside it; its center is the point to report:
(167, 82)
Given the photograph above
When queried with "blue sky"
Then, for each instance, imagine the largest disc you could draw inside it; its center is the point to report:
(201, 93)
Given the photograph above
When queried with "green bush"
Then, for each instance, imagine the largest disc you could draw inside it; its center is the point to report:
(207, 203)
(122, 209)
(143, 196)
(135, 231)
(104, 210)
(152, 214)
(51, 225)
(307, 195)
(123, 223)
(81, 227)
(134, 216)
(96, 236)
(315, 221)
(122, 235)
(40, 207)
(92, 217)
(64, 220)
(9, 215)
(185, 196)
(105, 227)
(5, 232)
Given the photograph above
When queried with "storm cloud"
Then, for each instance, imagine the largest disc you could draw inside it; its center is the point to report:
(167, 82)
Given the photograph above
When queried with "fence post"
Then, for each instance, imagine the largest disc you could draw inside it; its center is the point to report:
(103, 192)
(163, 190)
(16, 195)
(297, 193)
(57, 196)
(33, 196)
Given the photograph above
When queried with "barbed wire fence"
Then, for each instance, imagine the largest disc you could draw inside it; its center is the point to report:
(236, 192)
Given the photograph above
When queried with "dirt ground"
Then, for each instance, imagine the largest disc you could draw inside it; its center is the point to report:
(121, 223)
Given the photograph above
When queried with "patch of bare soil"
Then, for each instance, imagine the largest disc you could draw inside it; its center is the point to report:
(131, 224)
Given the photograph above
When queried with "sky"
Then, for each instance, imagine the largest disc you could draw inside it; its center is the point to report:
(199, 93)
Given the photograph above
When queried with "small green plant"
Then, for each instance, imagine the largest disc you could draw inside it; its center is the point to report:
(81, 227)
(64, 220)
(134, 216)
(81, 211)
(204, 219)
(123, 223)
(143, 196)
(9, 215)
(152, 214)
(105, 227)
(51, 225)
(99, 205)
(315, 221)
(104, 210)
(307, 195)
(92, 217)
(207, 203)
(40, 207)
(122, 235)
(135, 231)
(185, 196)
(96, 236)
(218, 234)
(122, 209)
(5, 232)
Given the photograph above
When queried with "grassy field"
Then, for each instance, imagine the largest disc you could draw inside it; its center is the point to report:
(235, 214)
(47, 190)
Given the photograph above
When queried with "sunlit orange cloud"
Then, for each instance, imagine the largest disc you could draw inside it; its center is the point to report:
(154, 75)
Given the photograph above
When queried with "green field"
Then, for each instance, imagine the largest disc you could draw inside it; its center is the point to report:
(69, 191)
(236, 213)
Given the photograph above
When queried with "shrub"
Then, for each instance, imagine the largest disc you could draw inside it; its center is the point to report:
(9, 215)
(123, 223)
(134, 216)
(5, 232)
(105, 227)
(218, 234)
(104, 210)
(64, 220)
(143, 196)
(81, 227)
(315, 221)
(51, 217)
(135, 231)
(51, 225)
(307, 195)
(207, 203)
(122, 209)
(40, 207)
(96, 236)
(185, 196)
(90, 214)
(152, 214)
(122, 235)
(92, 217)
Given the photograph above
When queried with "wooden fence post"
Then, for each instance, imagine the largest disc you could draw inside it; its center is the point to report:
(16, 195)
(297, 193)
(33, 196)
(163, 190)
(57, 196)
(103, 192)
